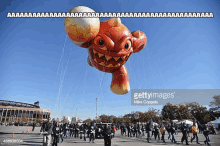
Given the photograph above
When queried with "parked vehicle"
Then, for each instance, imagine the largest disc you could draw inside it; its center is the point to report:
(11, 123)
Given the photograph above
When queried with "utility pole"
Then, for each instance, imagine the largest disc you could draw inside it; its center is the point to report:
(76, 115)
(96, 110)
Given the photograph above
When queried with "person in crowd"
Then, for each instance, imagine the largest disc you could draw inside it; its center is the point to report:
(135, 130)
(206, 132)
(84, 131)
(168, 128)
(65, 129)
(176, 129)
(148, 129)
(55, 134)
(47, 134)
(131, 131)
(153, 130)
(212, 129)
(184, 130)
(114, 129)
(34, 124)
(142, 129)
(81, 129)
(71, 130)
(43, 126)
(156, 132)
(76, 130)
(162, 131)
(195, 131)
(61, 132)
(172, 132)
(92, 134)
(107, 135)
(138, 130)
(122, 130)
(200, 126)
(128, 129)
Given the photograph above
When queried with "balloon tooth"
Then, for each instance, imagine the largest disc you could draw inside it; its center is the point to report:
(110, 65)
(123, 57)
(108, 57)
(94, 51)
(102, 64)
(95, 60)
(116, 58)
(104, 48)
(100, 55)
(118, 65)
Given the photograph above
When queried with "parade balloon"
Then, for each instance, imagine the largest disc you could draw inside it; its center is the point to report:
(109, 43)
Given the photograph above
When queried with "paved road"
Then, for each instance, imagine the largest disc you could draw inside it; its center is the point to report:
(35, 139)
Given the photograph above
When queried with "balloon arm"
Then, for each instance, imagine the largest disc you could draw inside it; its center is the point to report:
(140, 41)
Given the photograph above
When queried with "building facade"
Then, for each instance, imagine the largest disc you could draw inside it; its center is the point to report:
(11, 111)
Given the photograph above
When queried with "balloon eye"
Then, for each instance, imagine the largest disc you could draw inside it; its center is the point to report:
(126, 46)
(101, 42)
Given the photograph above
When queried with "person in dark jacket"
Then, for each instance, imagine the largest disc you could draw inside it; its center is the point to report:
(168, 128)
(34, 124)
(138, 131)
(129, 130)
(206, 134)
(47, 133)
(84, 131)
(55, 134)
(92, 134)
(76, 131)
(71, 130)
(142, 129)
(123, 130)
(173, 131)
(61, 132)
(43, 126)
(156, 132)
(148, 129)
(184, 130)
(107, 135)
(176, 129)
(200, 126)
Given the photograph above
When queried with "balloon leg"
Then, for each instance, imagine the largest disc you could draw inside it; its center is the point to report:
(120, 81)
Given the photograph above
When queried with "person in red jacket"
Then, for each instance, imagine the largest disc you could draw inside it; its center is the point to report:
(195, 131)
(114, 129)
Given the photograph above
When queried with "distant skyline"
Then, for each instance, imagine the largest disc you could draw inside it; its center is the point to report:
(38, 62)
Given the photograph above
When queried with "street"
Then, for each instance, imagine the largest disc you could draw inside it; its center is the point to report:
(30, 138)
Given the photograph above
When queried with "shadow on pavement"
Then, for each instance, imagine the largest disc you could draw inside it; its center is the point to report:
(31, 142)
(19, 133)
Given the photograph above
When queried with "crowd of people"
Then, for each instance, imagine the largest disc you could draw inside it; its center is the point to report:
(54, 132)
(159, 130)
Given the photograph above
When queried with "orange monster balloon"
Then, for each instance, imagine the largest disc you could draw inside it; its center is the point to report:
(109, 44)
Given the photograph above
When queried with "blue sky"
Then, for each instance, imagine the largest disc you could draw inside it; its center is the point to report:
(181, 53)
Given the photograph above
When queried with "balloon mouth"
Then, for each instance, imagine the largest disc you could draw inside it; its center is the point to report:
(108, 61)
